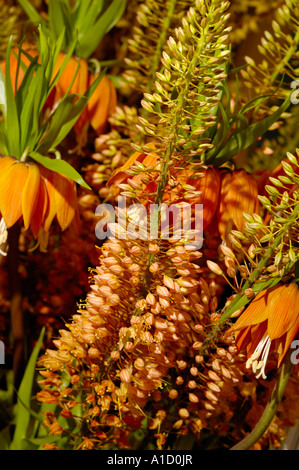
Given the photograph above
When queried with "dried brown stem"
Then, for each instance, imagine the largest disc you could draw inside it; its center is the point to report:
(16, 312)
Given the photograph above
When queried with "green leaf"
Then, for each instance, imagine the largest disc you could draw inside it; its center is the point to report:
(3, 103)
(83, 12)
(60, 166)
(242, 139)
(93, 36)
(88, 19)
(37, 442)
(241, 299)
(28, 96)
(64, 117)
(23, 414)
(59, 18)
(60, 123)
(68, 55)
(3, 140)
(87, 16)
(31, 12)
(12, 116)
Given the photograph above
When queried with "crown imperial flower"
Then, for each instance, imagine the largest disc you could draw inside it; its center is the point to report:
(238, 195)
(270, 322)
(36, 194)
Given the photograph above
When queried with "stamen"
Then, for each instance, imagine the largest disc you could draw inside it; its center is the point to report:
(264, 359)
(255, 366)
(3, 236)
(259, 366)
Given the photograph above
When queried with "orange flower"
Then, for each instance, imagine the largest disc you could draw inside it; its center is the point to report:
(238, 194)
(147, 159)
(101, 104)
(263, 178)
(269, 323)
(13, 65)
(36, 194)
(208, 185)
(62, 195)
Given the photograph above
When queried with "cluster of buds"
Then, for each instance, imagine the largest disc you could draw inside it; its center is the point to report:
(111, 151)
(11, 18)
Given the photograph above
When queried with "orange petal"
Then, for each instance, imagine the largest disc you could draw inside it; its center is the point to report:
(238, 194)
(30, 194)
(65, 200)
(80, 83)
(286, 341)
(284, 308)
(14, 63)
(48, 178)
(119, 175)
(256, 312)
(101, 103)
(12, 182)
(80, 86)
(209, 186)
(5, 162)
(40, 209)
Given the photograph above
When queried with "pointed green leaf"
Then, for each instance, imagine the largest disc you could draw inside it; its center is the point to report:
(64, 118)
(88, 16)
(3, 140)
(28, 97)
(31, 12)
(243, 139)
(3, 103)
(12, 116)
(24, 398)
(59, 18)
(56, 124)
(83, 12)
(60, 166)
(102, 26)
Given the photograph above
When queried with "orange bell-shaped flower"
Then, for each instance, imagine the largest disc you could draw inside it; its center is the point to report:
(100, 105)
(238, 194)
(35, 194)
(270, 323)
(209, 187)
(263, 178)
(13, 65)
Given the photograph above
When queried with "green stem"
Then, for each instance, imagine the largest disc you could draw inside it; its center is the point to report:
(162, 39)
(286, 59)
(271, 407)
(241, 299)
(16, 310)
(25, 154)
(256, 273)
(176, 121)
